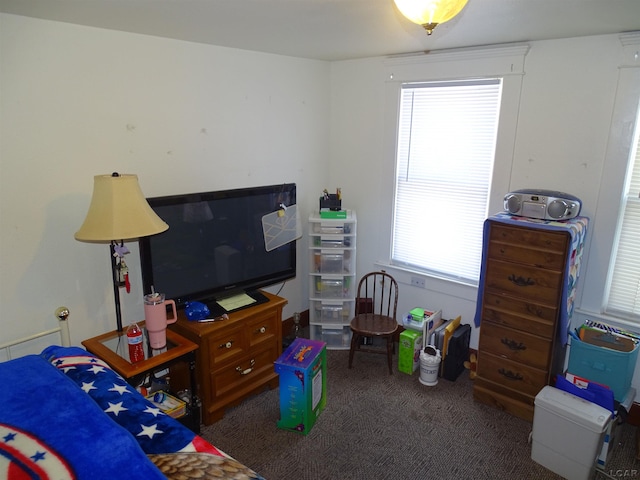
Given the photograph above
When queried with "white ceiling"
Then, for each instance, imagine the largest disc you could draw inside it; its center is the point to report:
(338, 29)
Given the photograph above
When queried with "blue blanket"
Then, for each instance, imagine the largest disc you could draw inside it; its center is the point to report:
(50, 430)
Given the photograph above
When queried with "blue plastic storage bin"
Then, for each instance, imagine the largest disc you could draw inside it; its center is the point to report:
(603, 365)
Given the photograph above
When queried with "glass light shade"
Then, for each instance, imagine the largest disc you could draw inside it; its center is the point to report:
(118, 211)
(430, 13)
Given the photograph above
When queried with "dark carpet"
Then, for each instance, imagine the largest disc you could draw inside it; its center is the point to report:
(380, 426)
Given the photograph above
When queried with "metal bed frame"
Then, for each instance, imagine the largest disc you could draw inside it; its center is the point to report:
(62, 313)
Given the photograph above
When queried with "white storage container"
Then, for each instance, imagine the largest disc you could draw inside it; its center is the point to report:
(332, 278)
(568, 433)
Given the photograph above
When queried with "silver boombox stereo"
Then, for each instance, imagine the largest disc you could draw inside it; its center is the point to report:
(544, 204)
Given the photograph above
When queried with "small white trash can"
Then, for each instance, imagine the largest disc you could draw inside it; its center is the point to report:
(568, 433)
(429, 365)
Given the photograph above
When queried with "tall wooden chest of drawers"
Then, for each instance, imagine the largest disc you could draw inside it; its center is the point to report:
(525, 301)
(235, 356)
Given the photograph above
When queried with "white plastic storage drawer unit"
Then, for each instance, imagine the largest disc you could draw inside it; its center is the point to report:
(332, 278)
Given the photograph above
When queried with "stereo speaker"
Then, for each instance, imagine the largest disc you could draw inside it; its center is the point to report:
(543, 204)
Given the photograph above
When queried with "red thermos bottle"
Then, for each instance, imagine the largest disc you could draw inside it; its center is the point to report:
(134, 339)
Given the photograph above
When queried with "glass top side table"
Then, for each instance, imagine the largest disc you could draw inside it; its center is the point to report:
(112, 347)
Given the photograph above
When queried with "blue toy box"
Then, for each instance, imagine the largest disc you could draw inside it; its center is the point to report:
(303, 384)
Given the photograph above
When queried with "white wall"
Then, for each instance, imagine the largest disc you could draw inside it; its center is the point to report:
(184, 117)
(561, 134)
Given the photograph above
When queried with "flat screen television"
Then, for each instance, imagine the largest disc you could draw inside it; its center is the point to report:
(214, 250)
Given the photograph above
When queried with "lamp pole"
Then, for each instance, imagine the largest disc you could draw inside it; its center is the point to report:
(116, 287)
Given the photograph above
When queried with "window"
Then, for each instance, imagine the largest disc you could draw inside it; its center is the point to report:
(445, 154)
(624, 285)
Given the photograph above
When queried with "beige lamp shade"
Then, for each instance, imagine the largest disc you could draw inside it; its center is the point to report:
(430, 13)
(118, 211)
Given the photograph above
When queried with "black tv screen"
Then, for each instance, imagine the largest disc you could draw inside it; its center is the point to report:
(215, 248)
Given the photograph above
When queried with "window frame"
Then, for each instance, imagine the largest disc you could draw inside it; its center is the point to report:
(507, 63)
(626, 225)
(592, 304)
(418, 172)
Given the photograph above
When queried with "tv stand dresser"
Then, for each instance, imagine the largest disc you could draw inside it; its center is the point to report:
(235, 356)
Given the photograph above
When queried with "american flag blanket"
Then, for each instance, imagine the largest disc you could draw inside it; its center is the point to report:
(49, 429)
(155, 431)
(65, 414)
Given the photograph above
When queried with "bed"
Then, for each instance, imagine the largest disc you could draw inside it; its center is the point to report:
(65, 414)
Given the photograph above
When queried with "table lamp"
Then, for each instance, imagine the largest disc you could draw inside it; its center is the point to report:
(118, 212)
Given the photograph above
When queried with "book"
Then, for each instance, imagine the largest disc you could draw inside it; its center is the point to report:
(448, 331)
(438, 335)
(429, 326)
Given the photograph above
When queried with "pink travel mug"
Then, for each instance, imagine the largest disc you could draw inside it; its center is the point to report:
(155, 316)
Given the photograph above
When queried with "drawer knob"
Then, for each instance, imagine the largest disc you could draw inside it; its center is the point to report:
(513, 345)
(261, 330)
(226, 345)
(246, 371)
(510, 375)
(521, 281)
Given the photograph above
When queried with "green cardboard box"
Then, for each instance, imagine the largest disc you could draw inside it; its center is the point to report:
(409, 351)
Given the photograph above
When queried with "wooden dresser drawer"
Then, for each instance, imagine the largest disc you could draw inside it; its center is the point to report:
(535, 239)
(504, 399)
(227, 345)
(519, 314)
(527, 255)
(510, 374)
(515, 345)
(233, 378)
(524, 282)
(263, 329)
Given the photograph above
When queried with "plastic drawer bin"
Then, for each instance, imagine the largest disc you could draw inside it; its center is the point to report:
(336, 241)
(328, 261)
(325, 287)
(331, 311)
(332, 228)
(337, 336)
(603, 365)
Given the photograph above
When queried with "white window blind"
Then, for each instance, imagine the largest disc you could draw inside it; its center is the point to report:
(445, 154)
(624, 289)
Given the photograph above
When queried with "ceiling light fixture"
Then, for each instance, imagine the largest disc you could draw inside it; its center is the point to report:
(430, 13)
